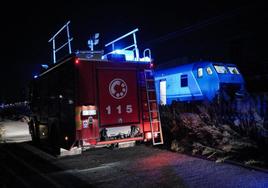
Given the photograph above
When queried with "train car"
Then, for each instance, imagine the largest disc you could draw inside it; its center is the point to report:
(195, 81)
(91, 99)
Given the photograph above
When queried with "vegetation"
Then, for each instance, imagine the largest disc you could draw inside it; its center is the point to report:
(235, 130)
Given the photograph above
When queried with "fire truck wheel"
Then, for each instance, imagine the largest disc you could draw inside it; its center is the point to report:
(34, 130)
(54, 137)
(31, 128)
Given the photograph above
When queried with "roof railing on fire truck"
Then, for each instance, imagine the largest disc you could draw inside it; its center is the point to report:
(128, 49)
(69, 39)
(131, 52)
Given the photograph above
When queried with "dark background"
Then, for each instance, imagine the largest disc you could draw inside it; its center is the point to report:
(234, 31)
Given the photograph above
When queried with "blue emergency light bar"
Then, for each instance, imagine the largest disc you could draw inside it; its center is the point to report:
(131, 52)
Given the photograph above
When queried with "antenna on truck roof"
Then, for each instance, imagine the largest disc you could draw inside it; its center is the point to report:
(94, 40)
(69, 39)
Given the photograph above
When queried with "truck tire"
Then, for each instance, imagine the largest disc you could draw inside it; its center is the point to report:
(54, 137)
(31, 129)
(34, 130)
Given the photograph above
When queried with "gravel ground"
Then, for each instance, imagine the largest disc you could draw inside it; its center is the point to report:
(143, 166)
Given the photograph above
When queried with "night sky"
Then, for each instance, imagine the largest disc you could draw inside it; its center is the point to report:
(209, 30)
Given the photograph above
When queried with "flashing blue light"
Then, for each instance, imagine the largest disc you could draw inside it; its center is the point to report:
(35, 76)
(44, 66)
(118, 51)
(129, 54)
(145, 59)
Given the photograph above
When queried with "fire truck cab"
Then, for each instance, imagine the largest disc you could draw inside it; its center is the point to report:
(91, 99)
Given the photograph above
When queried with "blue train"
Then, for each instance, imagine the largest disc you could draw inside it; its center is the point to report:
(197, 81)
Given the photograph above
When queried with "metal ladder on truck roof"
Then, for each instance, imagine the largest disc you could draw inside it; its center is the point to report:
(154, 114)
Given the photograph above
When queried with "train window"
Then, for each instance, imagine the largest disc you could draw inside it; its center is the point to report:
(233, 70)
(220, 69)
(184, 80)
(209, 71)
(199, 72)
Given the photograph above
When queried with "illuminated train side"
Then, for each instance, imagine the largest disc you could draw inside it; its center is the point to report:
(197, 81)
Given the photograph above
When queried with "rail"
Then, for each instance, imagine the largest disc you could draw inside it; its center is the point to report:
(134, 45)
(69, 39)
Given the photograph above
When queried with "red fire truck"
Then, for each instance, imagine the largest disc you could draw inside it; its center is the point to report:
(91, 99)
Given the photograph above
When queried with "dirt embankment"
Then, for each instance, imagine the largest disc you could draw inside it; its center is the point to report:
(201, 132)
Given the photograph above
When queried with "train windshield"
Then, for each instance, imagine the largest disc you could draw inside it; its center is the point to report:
(233, 70)
(220, 69)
